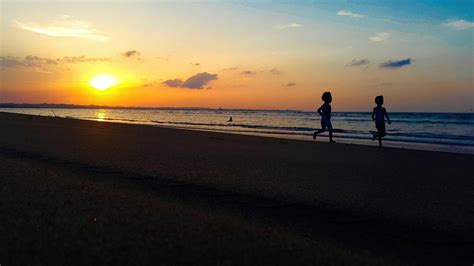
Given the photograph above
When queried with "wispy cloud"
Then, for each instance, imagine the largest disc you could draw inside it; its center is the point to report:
(230, 69)
(380, 37)
(131, 54)
(28, 65)
(247, 72)
(83, 59)
(359, 62)
(347, 13)
(396, 63)
(197, 81)
(40, 62)
(44, 65)
(28, 61)
(275, 71)
(147, 84)
(66, 26)
(289, 26)
(291, 84)
(459, 24)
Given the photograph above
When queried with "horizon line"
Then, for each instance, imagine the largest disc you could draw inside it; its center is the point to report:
(94, 106)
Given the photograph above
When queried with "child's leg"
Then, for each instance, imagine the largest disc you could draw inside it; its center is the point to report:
(330, 133)
(381, 133)
(323, 128)
(375, 135)
(317, 132)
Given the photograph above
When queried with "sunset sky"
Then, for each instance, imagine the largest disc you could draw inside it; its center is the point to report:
(239, 54)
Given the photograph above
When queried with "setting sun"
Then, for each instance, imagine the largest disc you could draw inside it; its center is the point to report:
(103, 81)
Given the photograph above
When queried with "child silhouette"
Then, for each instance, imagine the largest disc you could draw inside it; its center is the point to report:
(378, 115)
(325, 113)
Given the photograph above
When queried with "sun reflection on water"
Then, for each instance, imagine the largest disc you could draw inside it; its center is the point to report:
(101, 115)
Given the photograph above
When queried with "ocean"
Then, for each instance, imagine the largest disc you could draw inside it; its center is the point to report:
(449, 132)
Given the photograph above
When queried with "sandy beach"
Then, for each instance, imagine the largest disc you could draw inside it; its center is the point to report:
(97, 192)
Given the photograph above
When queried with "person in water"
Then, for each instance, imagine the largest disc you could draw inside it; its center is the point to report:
(325, 113)
(378, 115)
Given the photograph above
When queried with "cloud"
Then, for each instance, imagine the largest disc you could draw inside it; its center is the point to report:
(147, 84)
(28, 63)
(167, 58)
(174, 83)
(40, 62)
(361, 62)
(230, 69)
(396, 63)
(83, 59)
(197, 81)
(291, 84)
(11, 62)
(347, 13)
(380, 37)
(275, 71)
(289, 26)
(66, 26)
(459, 24)
(131, 53)
(247, 72)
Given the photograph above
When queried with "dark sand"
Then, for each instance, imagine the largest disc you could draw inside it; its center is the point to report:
(90, 192)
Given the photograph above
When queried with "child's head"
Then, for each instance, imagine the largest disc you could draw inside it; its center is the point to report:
(327, 97)
(379, 100)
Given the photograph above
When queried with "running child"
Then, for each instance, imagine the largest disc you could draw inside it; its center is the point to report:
(378, 115)
(325, 113)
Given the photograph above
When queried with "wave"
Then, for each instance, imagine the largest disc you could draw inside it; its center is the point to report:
(346, 133)
(367, 136)
(237, 125)
(394, 135)
(433, 136)
(407, 133)
(410, 121)
(107, 119)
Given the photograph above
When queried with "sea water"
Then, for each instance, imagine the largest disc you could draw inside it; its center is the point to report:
(452, 132)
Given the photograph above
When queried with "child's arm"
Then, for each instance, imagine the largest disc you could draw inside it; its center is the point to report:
(373, 114)
(320, 110)
(386, 115)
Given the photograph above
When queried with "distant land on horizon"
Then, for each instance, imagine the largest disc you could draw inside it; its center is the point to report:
(93, 106)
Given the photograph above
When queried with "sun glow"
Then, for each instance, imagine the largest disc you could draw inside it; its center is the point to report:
(103, 81)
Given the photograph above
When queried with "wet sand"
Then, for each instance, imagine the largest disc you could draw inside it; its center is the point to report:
(101, 192)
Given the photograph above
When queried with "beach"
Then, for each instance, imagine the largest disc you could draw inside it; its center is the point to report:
(98, 192)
